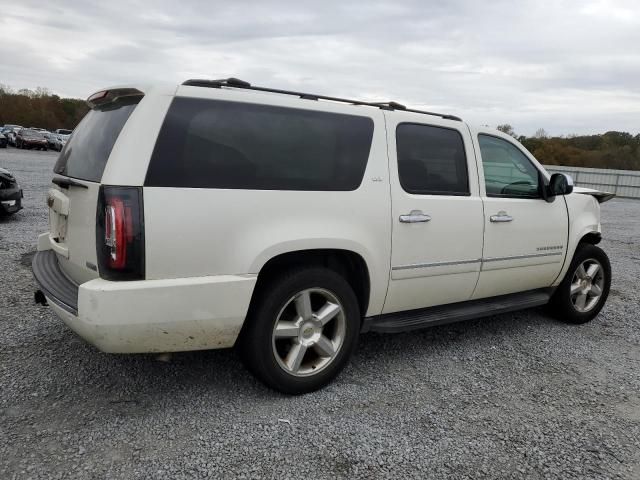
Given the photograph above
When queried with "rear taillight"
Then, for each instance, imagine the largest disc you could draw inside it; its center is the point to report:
(120, 233)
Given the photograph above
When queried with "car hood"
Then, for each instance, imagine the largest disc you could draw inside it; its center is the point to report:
(599, 195)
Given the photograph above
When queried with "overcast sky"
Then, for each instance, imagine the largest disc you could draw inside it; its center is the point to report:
(567, 66)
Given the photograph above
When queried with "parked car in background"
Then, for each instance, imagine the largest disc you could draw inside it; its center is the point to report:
(10, 193)
(53, 141)
(63, 132)
(30, 138)
(10, 131)
(62, 135)
(3, 140)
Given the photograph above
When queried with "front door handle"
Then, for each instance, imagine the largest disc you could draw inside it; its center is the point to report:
(415, 216)
(501, 217)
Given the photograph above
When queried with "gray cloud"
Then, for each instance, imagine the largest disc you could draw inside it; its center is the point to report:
(567, 66)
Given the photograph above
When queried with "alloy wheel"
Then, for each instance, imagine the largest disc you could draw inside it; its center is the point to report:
(587, 285)
(309, 332)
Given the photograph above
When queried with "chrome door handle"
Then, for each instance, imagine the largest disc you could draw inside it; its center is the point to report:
(415, 216)
(501, 217)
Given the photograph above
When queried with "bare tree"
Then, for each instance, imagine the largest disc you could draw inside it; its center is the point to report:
(541, 133)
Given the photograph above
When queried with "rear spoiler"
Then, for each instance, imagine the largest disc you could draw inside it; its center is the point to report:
(601, 197)
(104, 97)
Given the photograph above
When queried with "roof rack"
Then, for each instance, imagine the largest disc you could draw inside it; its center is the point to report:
(237, 83)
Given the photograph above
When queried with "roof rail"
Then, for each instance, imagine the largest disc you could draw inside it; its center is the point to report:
(237, 83)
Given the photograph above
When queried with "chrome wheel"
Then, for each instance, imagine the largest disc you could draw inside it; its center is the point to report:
(309, 332)
(587, 285)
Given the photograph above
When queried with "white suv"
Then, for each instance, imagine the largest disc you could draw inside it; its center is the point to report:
(218, 213)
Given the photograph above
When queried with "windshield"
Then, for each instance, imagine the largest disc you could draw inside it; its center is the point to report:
(64, 132)
(31, 133)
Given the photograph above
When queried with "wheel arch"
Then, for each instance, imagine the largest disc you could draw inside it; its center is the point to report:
(593, 238)
(348, 263)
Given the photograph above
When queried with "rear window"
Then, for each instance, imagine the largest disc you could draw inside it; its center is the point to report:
(220, 144)
(87, 151)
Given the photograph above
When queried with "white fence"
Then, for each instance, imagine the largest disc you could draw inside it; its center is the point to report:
(624, 183)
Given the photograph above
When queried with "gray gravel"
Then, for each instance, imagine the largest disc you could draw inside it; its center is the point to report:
(512, 396)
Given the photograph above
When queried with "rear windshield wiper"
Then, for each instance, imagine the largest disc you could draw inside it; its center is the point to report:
(67, 182)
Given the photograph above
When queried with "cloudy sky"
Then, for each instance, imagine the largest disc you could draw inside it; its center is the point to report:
(566, 66)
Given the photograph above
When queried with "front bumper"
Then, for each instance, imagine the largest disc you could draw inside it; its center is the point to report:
(10, 200)
(34, 143)
(170, 315)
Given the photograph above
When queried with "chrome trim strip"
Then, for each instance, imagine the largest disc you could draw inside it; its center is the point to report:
(519, 257)
(479, 260)
(435, 264)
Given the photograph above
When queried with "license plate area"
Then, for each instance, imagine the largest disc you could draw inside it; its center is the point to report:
(58, 204)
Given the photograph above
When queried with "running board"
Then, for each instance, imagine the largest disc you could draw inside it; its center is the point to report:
(455, 312)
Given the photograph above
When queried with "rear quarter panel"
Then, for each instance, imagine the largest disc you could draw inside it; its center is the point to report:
(198, 232)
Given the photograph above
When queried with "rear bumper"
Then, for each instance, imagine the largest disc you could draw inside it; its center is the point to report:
(180, 314)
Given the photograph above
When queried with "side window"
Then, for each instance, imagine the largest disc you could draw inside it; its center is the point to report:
(507, 171)
(221, 144)
(431, 160)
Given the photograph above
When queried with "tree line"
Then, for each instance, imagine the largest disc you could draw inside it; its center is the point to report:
(39, 108)
(616, 150)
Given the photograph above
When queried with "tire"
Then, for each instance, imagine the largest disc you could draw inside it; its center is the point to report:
(299, 360)
(583, 306)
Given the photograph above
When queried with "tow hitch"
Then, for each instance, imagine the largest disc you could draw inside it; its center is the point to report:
(39, 298)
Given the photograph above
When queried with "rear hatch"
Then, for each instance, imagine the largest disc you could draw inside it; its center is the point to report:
(75, 192)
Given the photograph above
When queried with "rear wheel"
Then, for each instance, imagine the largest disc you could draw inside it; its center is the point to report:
(585, 288)
(301, 330)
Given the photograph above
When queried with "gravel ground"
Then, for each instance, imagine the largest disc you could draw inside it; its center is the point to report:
(511, 396)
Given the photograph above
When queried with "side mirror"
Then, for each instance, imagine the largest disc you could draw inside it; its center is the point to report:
(560, 184)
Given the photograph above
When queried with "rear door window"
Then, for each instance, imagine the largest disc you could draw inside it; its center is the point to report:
(87, 151)
(220, 144)
(431, 160)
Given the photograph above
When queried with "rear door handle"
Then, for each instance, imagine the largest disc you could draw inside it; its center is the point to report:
(501, 217)
(415, 216)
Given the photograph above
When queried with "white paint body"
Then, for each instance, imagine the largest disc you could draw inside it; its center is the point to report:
(206, 247)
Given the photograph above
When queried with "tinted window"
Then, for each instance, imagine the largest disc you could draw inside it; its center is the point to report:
(431, 160)
(507, 171)
(218, 144)
(87, 151)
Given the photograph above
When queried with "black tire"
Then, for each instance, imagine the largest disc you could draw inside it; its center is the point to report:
(256, 345)
(562, 305)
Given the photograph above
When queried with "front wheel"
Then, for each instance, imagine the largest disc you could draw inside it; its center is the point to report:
(585, 288)
(301, 330)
